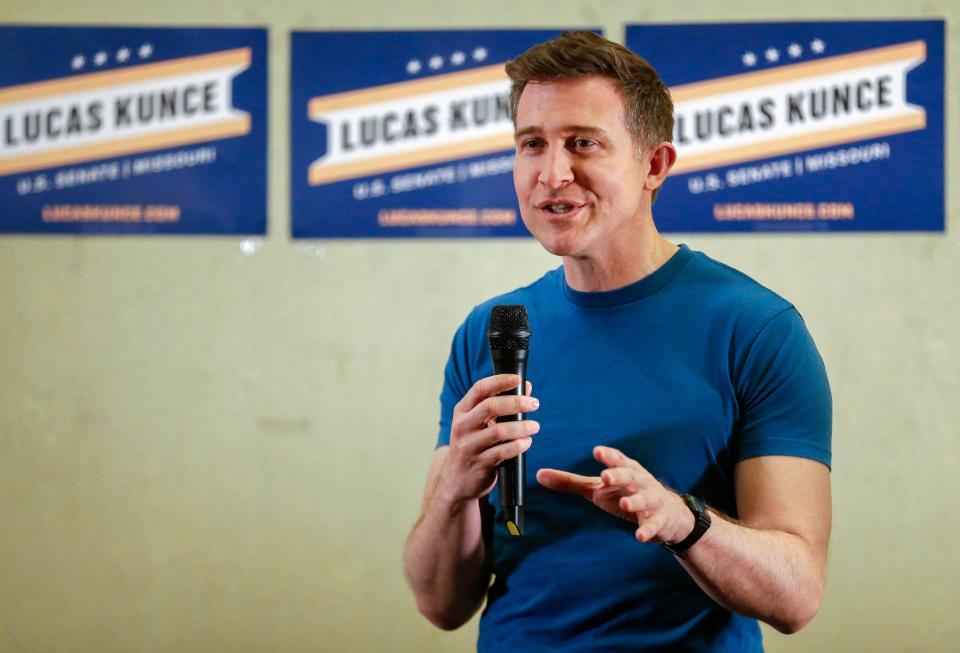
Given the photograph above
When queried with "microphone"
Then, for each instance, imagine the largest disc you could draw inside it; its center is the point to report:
(509, 336)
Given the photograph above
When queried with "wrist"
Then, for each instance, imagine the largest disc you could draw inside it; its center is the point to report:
(687, 521)
(697, 510)
(449, 501)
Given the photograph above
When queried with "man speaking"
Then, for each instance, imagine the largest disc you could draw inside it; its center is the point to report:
(680, 417)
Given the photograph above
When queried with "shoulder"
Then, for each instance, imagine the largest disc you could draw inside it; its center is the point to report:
(723, 293)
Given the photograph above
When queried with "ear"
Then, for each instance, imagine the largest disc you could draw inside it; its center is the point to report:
(662, 157)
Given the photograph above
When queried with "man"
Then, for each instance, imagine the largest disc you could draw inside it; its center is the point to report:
(700, 387)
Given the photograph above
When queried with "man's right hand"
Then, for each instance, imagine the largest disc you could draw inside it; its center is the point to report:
(478, 443)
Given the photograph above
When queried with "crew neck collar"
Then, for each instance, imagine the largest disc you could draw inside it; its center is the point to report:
(634, 291)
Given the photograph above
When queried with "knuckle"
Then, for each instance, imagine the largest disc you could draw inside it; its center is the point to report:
(480, 389)
(488, 407)
(457, 431)
(508, 430)
(519, 446)
(512, 430)
(493, 457)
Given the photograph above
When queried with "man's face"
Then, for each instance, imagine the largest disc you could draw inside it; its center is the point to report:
(577, 174)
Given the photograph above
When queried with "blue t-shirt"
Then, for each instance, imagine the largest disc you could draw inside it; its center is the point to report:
(688, 371)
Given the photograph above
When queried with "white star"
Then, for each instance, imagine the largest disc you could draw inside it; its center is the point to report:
(100, 58)
(479, 54)
(795, 50)
(413, 67)
(457, 58)
(78, 62)
(817, 46)
(435, 62)
(771, 54)
(145, 51)
(123, 54)
(749, 59)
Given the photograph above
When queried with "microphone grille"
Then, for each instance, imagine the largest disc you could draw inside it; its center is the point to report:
(509, 329)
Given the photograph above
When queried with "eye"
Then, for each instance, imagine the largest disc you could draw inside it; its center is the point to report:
(531, 143)
(583, 143)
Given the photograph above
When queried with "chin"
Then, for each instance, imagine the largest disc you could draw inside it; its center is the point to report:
(558, 244)
(559, 247)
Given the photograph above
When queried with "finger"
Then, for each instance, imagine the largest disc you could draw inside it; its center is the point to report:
(638, 503)
(493, 407)
(505, 451)
(498, 432)
(475, 442)
(487, 387)
(625, 477)
(529, 388)
(650, 528)
(614, 458)
(554, 479)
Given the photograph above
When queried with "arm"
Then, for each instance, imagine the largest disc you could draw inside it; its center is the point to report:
(446, 560)
(445, 554)
(771, 564)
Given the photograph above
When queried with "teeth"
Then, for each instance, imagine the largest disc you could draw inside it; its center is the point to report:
(560, 208)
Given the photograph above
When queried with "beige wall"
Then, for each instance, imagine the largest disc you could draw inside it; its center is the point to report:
(203, 450)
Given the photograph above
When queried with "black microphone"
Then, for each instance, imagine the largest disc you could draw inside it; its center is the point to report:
(509, 345)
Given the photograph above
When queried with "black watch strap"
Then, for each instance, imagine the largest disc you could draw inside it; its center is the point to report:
(700, 525)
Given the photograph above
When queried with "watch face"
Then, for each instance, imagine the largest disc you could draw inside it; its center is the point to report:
(695, 504)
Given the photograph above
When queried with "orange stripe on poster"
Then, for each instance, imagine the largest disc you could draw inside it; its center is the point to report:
(328, 103)
(238, 126)
(319, 174)
(238, 58)
(791, 144)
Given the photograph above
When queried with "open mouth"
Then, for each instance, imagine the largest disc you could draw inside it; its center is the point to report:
(558, 208)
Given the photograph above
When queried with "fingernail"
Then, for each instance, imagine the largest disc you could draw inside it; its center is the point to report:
(535, 403)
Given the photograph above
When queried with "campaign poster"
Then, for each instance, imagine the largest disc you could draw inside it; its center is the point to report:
(404, 133)
(131, 130)
(806, 126)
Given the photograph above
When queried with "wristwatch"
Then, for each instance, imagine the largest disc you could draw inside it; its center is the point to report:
(701, 523)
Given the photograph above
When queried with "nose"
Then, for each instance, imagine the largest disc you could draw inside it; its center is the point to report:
(556, 171)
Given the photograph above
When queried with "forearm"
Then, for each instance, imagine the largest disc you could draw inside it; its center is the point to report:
(771, 575)
(445, 563)
(445, 560)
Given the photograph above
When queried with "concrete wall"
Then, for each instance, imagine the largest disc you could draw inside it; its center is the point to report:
(206, 450)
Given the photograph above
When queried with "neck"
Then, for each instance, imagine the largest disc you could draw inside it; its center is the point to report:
(628, 260)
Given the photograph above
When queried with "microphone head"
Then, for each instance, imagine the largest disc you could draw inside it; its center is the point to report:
(509, 330)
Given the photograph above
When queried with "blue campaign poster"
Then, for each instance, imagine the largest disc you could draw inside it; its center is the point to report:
(806, 126)
(404, 134)
(128, 130)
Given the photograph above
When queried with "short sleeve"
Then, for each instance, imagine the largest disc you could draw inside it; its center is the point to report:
(456, 382)
(785, 406)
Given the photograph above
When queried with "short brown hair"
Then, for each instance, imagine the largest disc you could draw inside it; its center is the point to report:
(646, 99)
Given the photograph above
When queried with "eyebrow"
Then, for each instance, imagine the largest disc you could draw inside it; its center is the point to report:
(580, 129)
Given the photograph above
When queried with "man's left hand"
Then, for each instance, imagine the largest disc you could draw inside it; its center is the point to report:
(627, 490)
